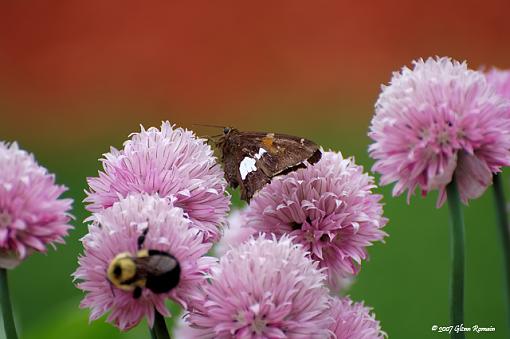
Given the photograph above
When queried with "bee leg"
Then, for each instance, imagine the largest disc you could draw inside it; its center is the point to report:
(141, 238)
(137, 293)
(111, 288)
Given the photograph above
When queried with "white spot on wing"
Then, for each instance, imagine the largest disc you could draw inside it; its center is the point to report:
(261, 153)
(247, 165)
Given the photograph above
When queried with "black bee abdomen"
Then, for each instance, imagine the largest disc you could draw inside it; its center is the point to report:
(164, 282)
(166, 274)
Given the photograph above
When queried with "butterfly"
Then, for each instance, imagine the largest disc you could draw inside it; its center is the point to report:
(251, 159)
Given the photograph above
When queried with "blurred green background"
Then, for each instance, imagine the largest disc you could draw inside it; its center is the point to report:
(78, 77)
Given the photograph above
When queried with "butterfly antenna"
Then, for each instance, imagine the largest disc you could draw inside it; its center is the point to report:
(205, 125)
(211, 138)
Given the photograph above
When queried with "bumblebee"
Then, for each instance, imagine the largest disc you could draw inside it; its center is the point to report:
(153, 269)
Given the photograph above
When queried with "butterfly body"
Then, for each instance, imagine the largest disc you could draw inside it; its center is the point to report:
(252, 159)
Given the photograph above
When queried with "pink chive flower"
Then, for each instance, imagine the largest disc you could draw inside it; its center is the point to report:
(354, 321)
(437, 120)
(169, 162)
(116, 230)
(235, 233)
(500, 81)
(183, 330)
(329, 208)
(31, 213)
(264, 288)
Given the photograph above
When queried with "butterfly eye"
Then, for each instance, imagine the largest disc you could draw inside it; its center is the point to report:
(226, 130)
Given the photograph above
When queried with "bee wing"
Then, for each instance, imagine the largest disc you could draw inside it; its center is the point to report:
(160, 270)
(155, 263)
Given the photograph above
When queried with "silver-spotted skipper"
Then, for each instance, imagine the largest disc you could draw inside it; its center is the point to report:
(252, 159)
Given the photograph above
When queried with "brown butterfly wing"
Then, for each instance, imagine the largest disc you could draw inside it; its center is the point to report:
(253, 182)
(273, 154)
(285, 153)
(234, 148)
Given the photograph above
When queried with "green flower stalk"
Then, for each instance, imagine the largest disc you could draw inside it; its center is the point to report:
(458, 262)
(502, 217)
(9, 327)
(159, 330)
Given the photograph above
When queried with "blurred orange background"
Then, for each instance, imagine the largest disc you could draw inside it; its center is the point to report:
(230, 63)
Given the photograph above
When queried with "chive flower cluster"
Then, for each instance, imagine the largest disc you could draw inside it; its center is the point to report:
(162, 191)
(32, 214)
(280, 259)
(168, 162)
(438, 121)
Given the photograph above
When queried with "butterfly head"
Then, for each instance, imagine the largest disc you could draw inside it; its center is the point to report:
(220, 140)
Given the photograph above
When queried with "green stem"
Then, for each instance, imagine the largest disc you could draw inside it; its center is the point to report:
(499, 196)
(9, 327)
(159, 330)
(457, 250)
